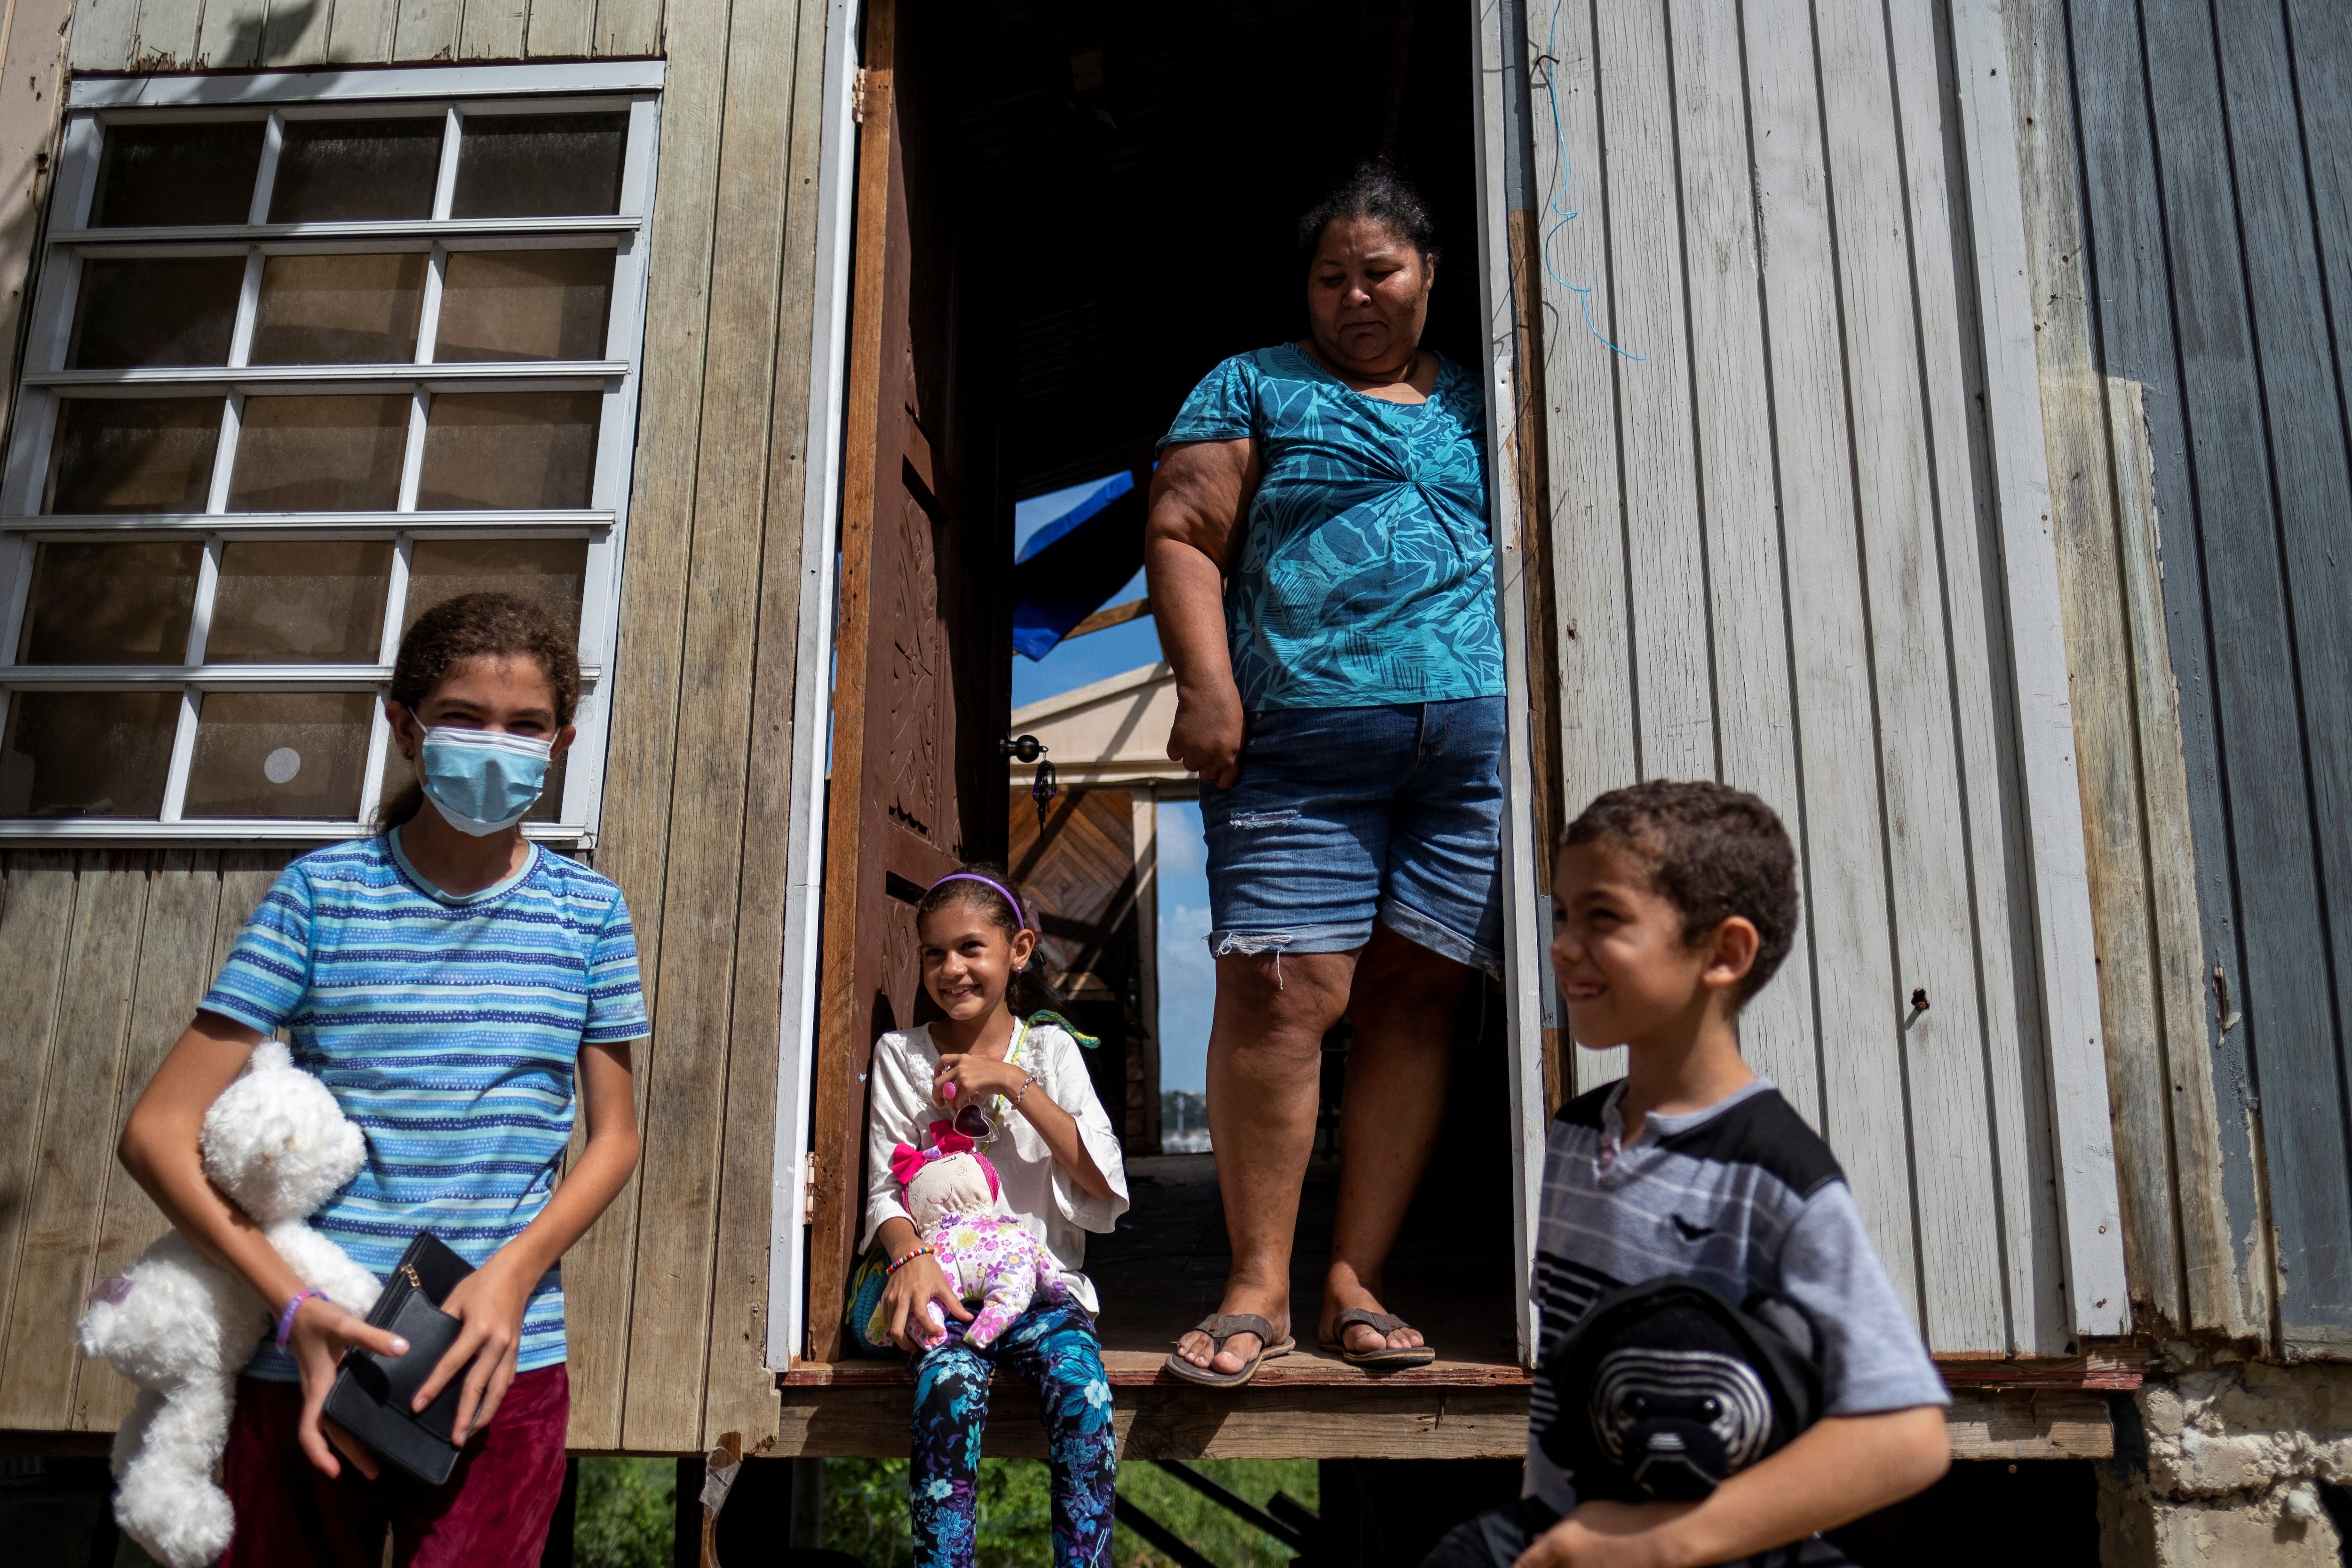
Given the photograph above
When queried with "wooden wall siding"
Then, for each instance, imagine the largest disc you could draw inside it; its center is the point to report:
(107, 952)
(696, 817)
(668, 1294)
(1773, 570)
(240, 35)
(2213, 208)
(2127, 711)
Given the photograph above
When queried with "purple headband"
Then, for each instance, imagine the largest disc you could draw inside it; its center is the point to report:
(976, 876)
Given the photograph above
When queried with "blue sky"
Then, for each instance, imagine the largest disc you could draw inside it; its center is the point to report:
(1187, 976)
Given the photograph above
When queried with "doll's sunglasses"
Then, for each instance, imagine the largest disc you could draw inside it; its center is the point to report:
(975, 1124)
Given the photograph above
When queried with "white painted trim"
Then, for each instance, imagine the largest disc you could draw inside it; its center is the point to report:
(21, 832)
(550, 524)
(379, 83)
(813, 693)
(1522, 950)
(520, 374)
(211, 677)
(369, 229)
(2088, 1208)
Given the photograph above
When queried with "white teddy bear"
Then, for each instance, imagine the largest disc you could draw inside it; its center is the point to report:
(182, 1327)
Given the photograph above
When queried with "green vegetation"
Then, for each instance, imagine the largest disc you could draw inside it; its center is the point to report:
(866, 1511)
(626, 1508)
(627, 1515)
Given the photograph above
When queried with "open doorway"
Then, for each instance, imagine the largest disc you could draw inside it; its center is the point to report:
(1094, 204)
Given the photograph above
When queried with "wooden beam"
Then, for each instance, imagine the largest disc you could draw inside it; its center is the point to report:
(1115, 616)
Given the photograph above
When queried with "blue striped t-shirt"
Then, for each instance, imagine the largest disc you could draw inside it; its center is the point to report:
(448, 1029)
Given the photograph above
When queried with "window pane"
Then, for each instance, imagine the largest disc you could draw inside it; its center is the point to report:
(399, 773)
(510, 449)
(338, 310)
(199, 173)
(110, 604)
(524, 304)
(546, 572)
(540, 166)
(180, 310)
(147, 454)
(319, 453)
(87, 754)
(294, 601)
(279, 753)
(336, 170)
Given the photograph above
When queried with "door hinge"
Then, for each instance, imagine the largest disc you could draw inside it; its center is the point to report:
(808, 1187)
(857, 96)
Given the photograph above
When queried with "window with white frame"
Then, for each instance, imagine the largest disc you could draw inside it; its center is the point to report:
(309, 355)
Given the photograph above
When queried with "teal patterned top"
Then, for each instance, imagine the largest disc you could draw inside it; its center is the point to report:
(1367, 575)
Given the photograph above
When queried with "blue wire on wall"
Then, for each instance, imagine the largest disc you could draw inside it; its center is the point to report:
(1563, 214)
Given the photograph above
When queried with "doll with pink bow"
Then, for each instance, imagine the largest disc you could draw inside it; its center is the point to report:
(984, 1250)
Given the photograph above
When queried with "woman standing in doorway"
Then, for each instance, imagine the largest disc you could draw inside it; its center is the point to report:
(1323, 579)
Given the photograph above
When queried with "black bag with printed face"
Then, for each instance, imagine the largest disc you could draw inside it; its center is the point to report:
(1663, 1389)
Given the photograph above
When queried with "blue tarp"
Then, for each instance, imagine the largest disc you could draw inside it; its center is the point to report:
(1072, 566)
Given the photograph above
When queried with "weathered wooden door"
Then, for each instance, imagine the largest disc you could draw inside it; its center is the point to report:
(921, 689)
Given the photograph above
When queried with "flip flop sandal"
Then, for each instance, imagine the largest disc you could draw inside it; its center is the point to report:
(1387, 1358)
(1221, 1327)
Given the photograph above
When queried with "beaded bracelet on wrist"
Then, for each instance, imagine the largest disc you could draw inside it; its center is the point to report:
(921, 1251)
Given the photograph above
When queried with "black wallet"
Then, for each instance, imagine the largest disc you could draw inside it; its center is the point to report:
(372, 1393)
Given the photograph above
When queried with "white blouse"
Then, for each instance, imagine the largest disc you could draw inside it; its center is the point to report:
(1046, 1198)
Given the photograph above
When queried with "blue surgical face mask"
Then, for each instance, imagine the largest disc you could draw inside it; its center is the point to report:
(480, 780)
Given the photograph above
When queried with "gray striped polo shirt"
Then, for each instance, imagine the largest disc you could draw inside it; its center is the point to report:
(1741, 1196)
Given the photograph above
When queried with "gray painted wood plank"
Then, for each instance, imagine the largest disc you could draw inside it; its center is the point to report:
(101, 35)
(1748, 596)
(2083, 527)
(2301, 1044)
(2131, 274)
(494, 29)
(1588, 543)
(231, 34)
(1673, 692)
(174, 965)
(2284, 998)
(562, 30)
(1901, 514)
(296, 33)
(1971, 564)
(36, 916)
(1845, 878)
(627, 27)
(167, 33)
(74, 1144)
(361, 31)
(427, 29)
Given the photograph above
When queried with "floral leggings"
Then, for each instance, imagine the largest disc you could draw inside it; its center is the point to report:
(1053, 1347)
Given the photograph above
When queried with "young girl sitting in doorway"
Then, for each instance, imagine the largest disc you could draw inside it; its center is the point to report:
(460, 991)
(1007, 1076)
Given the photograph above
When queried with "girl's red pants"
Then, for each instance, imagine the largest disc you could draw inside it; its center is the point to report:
(494, 1510)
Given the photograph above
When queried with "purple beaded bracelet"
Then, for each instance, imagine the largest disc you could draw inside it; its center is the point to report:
(285, 1318)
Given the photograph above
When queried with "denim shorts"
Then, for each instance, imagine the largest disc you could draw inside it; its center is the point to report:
(1342, 814)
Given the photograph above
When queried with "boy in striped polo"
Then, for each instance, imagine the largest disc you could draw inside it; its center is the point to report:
(1673, 903)
(460, 990)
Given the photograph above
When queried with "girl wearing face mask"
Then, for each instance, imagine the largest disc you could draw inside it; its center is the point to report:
(995, 1073)
(462, 992)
